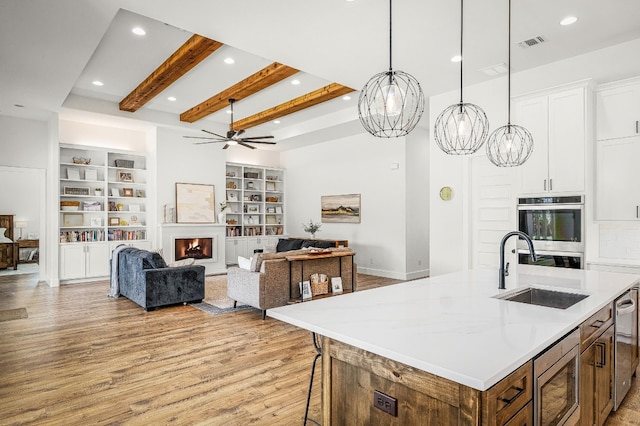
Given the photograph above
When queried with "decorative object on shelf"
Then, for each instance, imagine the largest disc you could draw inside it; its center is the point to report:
(461, 129)
(305, 290)
(340, 208)
(319, 284)
(140, 193)
(112, 206)
(81, 160)
(392, 102)
(92, 206)
(270, 186)
(127, 164)
(231, 174)
(446, 193)
(251, 175)
(95, 221)
(134, 220)
(70, 190)
(195, 203)
(127, 192)
(311, 228)
(73, 173)
(98, 192)
(124, 176)
(114, 221)
(115, 192)
(336, 285)
(250, 185)
(119, 207)
(510, 145)
(20, 224)
(123, 222)
(272, 199)
(169, 214)
(232, 185)
(72, 219)
(91, 174)
(232, 196)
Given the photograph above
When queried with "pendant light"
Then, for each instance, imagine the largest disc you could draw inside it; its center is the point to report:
(510, 145)
(392, 102)
(461, 129)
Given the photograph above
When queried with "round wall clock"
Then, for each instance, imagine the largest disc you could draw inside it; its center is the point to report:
(446, 193)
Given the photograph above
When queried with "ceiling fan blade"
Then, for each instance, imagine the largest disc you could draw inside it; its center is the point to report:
(214, 134)
(201, 143)
(252, 141)
(200, 137)
(231, 134)
(239, 132)
(258, 137)
(245, 145)
(226, 145)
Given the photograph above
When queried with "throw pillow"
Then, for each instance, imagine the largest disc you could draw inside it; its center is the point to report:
(269, 248)
(183, 262)
(153, 261)
(254, 263)
(288, 245)
(4, 239)
(244, 263)
(317, 244)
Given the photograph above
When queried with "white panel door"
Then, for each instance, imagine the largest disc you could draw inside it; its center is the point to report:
(493, 212)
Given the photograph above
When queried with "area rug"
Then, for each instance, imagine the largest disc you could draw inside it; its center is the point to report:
(13, 314)
(214, 310)
(215, 292)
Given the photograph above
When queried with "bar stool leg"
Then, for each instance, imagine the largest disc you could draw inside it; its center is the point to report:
(318, 349)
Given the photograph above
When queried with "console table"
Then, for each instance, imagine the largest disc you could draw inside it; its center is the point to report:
(302, 258)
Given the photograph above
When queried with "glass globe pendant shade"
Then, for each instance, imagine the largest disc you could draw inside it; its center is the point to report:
(391, 104)
(509, 146)
(461, 129)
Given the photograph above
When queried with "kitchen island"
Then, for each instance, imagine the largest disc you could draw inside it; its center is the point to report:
(449, 328)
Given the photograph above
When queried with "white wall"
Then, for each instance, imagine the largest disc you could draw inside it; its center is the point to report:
(358, 164)
(23, 142)
(449, 221)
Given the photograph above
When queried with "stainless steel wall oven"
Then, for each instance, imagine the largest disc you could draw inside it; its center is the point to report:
(556, 226)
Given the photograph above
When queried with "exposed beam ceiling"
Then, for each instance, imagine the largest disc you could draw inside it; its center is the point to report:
(323, 94)
(190, 54)
(262, 79)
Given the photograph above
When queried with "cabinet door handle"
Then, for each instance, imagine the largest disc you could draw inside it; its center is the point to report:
(550, 184)
(597, 324)
(602, 361)
(514, 397)
(637, 212)
(637, 130)
(545, 184)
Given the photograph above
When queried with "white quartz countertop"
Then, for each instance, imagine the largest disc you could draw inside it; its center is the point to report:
(452, 326)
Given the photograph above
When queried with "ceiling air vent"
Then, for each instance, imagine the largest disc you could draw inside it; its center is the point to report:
(525, 44)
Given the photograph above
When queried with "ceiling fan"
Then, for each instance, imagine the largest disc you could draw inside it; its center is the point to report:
(232, 137)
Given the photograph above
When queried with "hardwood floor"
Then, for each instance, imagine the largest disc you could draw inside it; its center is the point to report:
(83, 358)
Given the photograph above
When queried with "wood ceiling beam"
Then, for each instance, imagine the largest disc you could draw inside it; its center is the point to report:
(264, 78)
(190, 54)
(323, 94)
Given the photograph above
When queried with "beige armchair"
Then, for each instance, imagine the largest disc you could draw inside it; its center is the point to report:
(274, 281)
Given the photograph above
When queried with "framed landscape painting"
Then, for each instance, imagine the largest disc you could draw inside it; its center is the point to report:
(340, 208)
(195, 203)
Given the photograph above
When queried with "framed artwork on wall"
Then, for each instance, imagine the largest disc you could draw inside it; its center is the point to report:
(195, 203)
(340, 208)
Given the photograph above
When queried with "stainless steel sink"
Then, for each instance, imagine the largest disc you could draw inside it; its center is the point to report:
(544, 297)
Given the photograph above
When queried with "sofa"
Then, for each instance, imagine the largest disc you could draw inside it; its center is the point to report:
(272, 281)
(144, 278)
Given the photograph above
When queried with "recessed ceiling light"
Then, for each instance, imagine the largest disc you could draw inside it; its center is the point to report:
(456, 58)
(229, 61)
(228, 111)
(569, 20)
(97, 83)
(138, 31)
(346, 98)
(276, 121)
(171, 98)
(295, 82)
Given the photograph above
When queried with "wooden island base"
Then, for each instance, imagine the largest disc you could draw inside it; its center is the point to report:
(351, 375)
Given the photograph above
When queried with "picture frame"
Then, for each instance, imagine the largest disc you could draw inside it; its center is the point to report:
(336, 285)
(112, 206)
(232, 196)
(340, 208)
(115, 192)
(195, 203)
(32, 236)
(91, 174)
(278, 209)
(127, 192)
(73, 190)
(124, 176)
(95, 222)
(271, 209)
(73, 173)
(135, 208)
(72, 219)
(252, 209)
(305, 290)
(114, 221)
(270, 186)
(140, 193)
(134, 220)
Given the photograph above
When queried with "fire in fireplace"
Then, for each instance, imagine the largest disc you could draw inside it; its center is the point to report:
(196, 248)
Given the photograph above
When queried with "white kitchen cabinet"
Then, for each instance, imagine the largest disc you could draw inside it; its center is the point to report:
(618, 109)
(617, 195)
(235, 247)
(84, 260)
(557, 122)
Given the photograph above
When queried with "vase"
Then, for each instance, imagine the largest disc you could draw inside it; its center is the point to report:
(221, 216)
(313, 236)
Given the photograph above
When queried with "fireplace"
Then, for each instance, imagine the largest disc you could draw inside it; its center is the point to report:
(196, 248)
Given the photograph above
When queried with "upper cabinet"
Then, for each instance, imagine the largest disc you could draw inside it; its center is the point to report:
(557, 122)
(618, 109)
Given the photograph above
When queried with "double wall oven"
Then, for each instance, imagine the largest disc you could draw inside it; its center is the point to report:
(556, 226)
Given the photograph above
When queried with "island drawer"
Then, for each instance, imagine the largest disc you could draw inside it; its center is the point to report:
(506, 398)
(597, 324)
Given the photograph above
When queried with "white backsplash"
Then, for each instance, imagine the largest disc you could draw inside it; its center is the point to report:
(620, 241)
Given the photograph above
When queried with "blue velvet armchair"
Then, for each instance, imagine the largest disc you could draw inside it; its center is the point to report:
(145, 278)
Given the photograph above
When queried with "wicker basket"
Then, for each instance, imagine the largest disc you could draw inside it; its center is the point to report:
(321, 287)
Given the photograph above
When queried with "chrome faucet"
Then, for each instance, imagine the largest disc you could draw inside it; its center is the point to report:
(504, 272)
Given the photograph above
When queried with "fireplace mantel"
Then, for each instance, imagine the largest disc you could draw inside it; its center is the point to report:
(168, 232)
